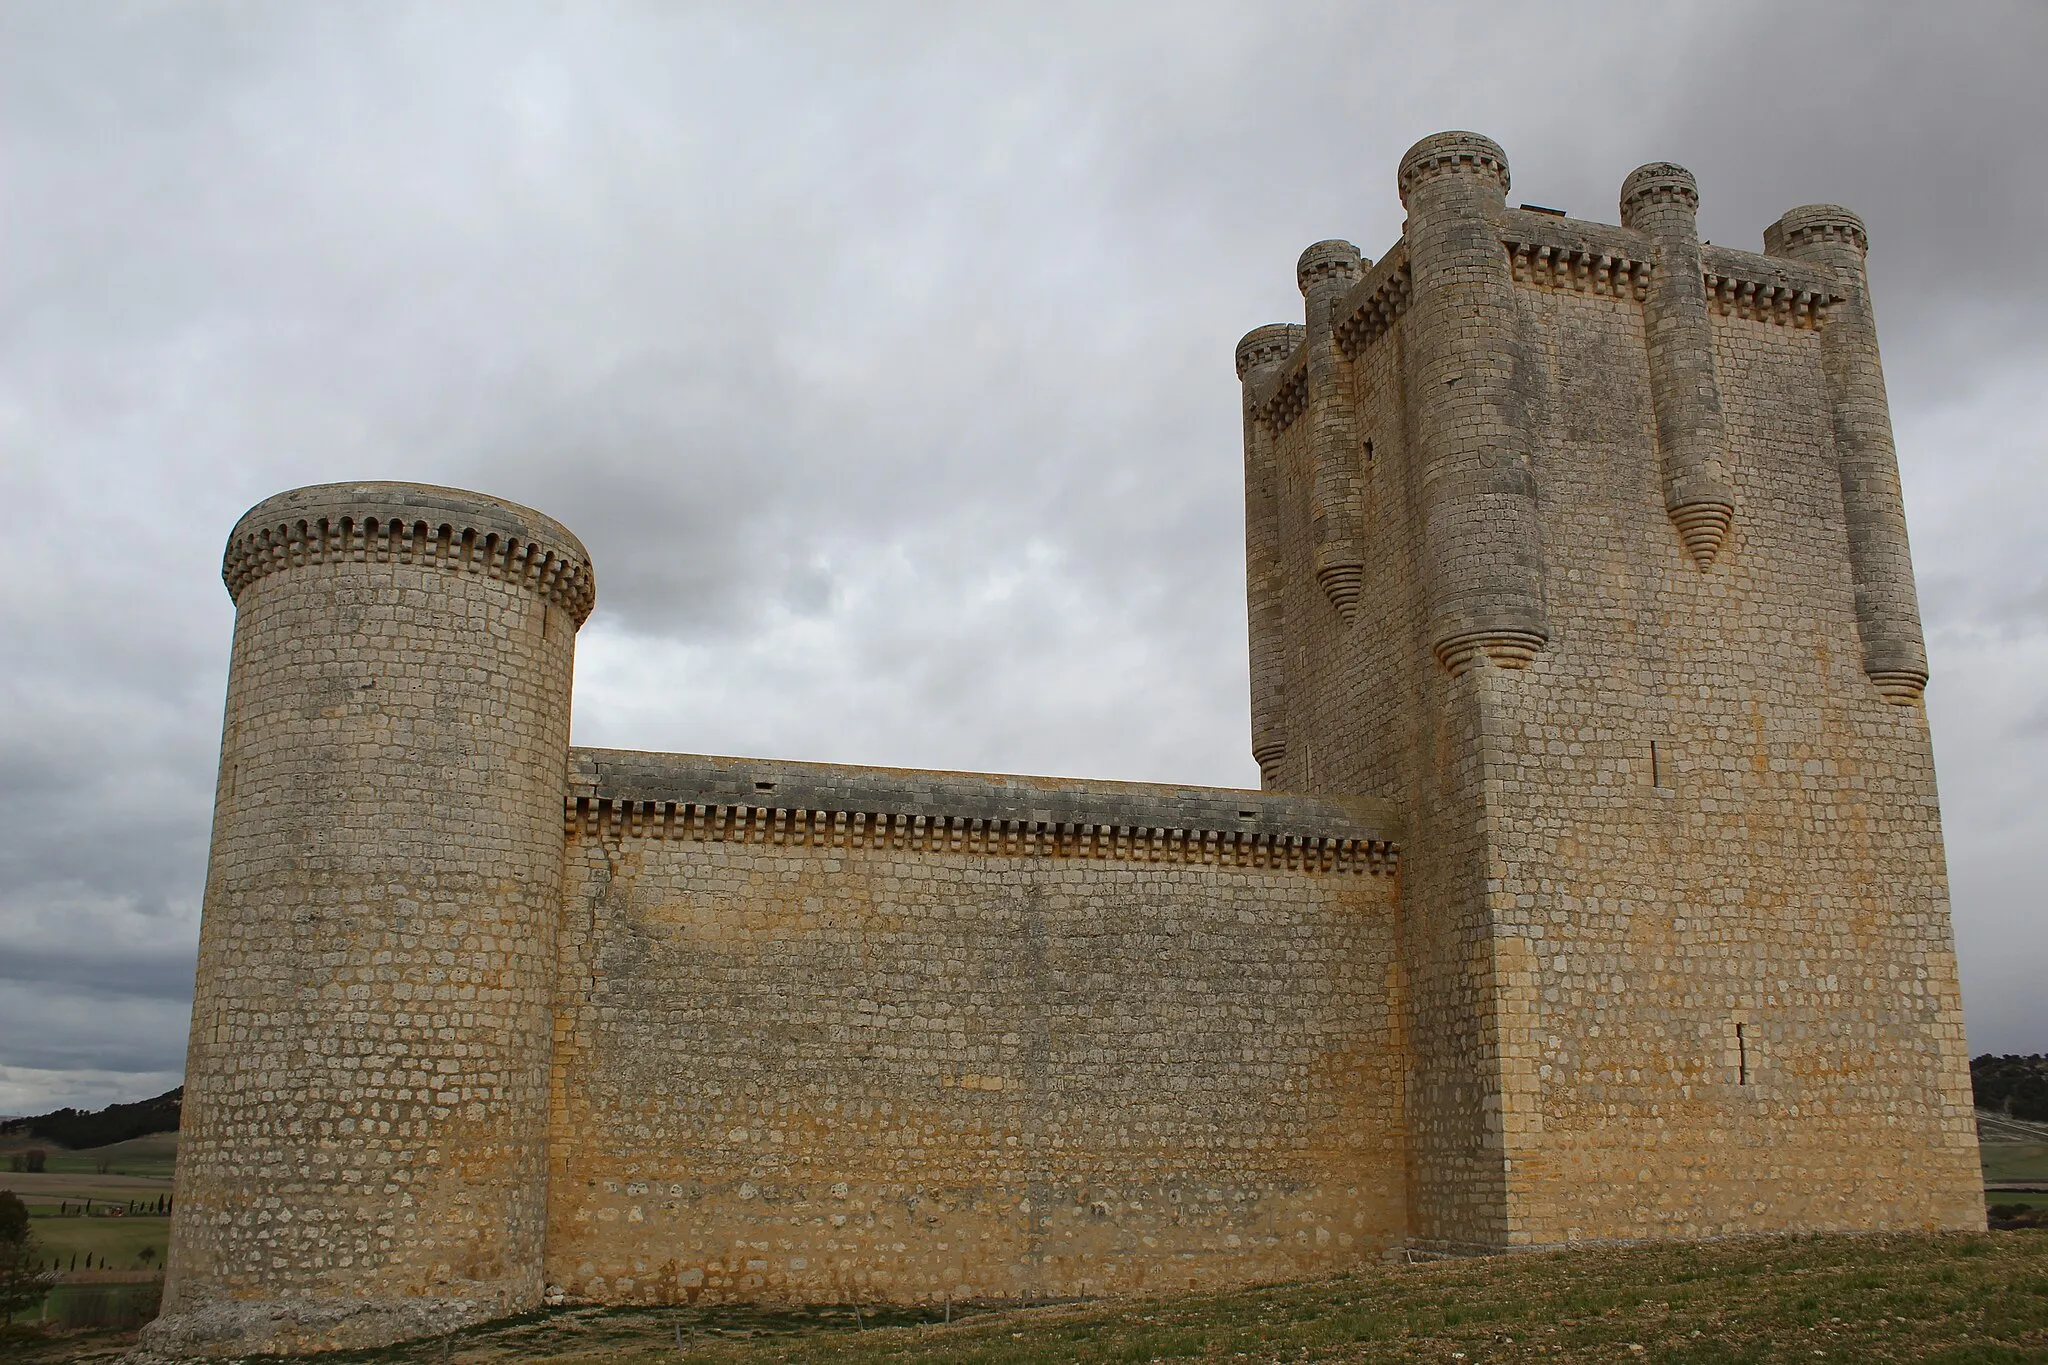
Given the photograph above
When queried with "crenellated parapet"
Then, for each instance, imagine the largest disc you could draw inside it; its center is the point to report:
(1326, 273)
(1881, 562)
(616, 794)
(1375, 303)
(404, 523)
(1662, 202)
(605, 817)
(1473, 380)
(1786, 293)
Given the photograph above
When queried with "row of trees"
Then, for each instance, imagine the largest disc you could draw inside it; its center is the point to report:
(160, 1204)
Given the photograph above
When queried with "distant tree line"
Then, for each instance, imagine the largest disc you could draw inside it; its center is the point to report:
(78, 1128)
(2014, 1086)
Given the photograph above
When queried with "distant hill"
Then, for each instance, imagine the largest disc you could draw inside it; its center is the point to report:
(78, 1128)
(2014, 1086)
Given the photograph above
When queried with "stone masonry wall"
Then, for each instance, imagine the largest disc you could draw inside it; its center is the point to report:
(1086, 1037)
(1736, 979)
(1704, 992)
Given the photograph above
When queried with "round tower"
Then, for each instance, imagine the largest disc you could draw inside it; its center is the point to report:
(364, 1148)
(1473, 382)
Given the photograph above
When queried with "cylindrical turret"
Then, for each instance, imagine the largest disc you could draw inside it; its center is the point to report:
(363, 1155)
(1472, 380)
(1887, 606)
(1326, 273)
(1662, 201)
(1262, 350)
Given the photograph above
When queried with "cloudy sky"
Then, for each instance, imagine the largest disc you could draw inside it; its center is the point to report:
(881, 353)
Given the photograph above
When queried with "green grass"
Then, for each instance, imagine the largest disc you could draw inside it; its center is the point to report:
(151, 1157)
(2032, 1201)
(1960, 1299)
(2015, 1161)
(119, 1240)
(1956, 1298)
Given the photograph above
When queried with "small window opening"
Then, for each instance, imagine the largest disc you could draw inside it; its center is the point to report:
(1247, 815)
(1656, 766)
(1369, 455)
(764, 786)
(1741, 1055)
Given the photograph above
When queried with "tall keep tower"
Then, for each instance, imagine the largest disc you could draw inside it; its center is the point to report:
(366, 1088)
(1632, 637)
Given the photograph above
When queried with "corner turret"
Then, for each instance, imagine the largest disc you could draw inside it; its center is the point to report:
(1326, 272)
(1259, 354)
(1474, 378)
(1881, 561)
(1662, 201)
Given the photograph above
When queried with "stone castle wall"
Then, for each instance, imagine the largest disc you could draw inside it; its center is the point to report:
(1701, 990)
(1596, 891)
(838, 1033)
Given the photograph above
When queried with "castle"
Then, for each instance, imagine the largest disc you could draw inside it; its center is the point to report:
(1595, 892)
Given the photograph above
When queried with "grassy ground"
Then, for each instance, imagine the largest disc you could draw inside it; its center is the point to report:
(115, 1241)
(137, 1170)
(2015, 1161)
(150, 1157)
(1957, 1298)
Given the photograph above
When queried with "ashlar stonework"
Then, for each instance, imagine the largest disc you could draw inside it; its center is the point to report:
(1596, 891)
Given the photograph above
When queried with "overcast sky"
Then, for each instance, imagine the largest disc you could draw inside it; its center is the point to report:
(881, 354)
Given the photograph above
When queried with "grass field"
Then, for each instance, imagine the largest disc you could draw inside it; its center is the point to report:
(1960, 1299)
(149, 1158)
(2015, 1161)
(138, 1170)
(115, 1241)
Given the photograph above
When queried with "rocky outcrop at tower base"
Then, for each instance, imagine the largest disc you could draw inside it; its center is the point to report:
(244, 1327)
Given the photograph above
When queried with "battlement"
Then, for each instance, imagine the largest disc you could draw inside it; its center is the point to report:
(1469, 155)
(1813, 225)
(411, 523)
(615, 794)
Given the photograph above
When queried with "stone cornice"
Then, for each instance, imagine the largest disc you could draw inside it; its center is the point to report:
(620, 795)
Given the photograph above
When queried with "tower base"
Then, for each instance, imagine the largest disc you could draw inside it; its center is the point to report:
(246, 1327)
